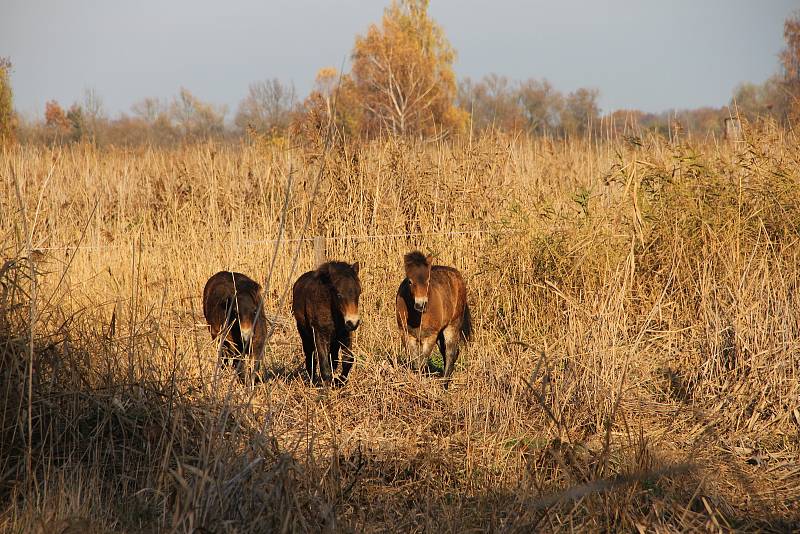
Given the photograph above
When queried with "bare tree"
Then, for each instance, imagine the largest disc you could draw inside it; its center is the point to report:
(149, 109)
(491, 103)
(93, 113)
(267, 107)
(790, 60)
(197, 119)
(581, 111)
(790, 56)
(495, 102)
(541, 106)
(93, 104)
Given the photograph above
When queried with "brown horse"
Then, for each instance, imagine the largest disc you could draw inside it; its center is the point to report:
(432, 307)
(325, 306)
(231, 304)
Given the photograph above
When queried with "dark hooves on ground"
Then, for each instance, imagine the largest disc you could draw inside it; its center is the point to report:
(334, 383)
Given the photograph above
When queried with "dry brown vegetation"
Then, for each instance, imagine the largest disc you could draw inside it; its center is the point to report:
(634, 366)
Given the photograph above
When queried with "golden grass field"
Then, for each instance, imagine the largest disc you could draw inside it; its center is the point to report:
(635, 365)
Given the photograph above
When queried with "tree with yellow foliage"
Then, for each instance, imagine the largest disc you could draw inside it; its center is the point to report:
(403, 74)
(333, 98)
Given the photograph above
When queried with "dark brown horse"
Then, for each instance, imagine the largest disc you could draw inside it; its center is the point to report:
(325, 306)
(231, 304)
(432, 307)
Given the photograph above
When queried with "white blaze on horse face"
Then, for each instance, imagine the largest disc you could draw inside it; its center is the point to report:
(421, 300)
(246, 330)
(419, 290)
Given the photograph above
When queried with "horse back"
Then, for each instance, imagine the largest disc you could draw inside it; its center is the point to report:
(226, 284)
(449, 287)
(308, 299)
(219, 291)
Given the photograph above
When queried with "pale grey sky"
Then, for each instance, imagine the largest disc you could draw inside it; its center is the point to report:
(649, 54)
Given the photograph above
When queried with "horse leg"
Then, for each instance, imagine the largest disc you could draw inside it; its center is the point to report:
(323, 343)
(442, 344)
(224, 344)
(347, 358)
(225, 352)
(227, 341)
(308, 350)
(452, 341)
(238, 361)
(410, 346)
(426, 347)
(335, 346)
(232, 354)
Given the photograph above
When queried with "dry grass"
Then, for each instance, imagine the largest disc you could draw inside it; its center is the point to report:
(635, 365)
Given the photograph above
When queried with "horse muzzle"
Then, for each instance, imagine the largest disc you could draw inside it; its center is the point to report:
(351, 322)
(420, 304)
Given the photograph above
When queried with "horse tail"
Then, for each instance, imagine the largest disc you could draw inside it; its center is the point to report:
(466, 323)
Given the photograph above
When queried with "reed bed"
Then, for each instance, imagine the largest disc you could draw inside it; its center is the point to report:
(634, 367)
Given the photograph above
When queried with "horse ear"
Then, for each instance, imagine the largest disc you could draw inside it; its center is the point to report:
(356, 267)
(429, 259)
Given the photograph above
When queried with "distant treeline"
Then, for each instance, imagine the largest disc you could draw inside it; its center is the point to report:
(494, 103)
(401, 83)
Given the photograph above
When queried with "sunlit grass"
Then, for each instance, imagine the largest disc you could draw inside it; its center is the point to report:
(634, 364)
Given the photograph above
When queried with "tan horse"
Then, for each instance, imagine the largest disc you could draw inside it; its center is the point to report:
(230, 305)
(432, 307)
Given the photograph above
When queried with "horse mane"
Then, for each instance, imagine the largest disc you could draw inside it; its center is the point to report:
(338, 266)
(337, 269)
(415, 258)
